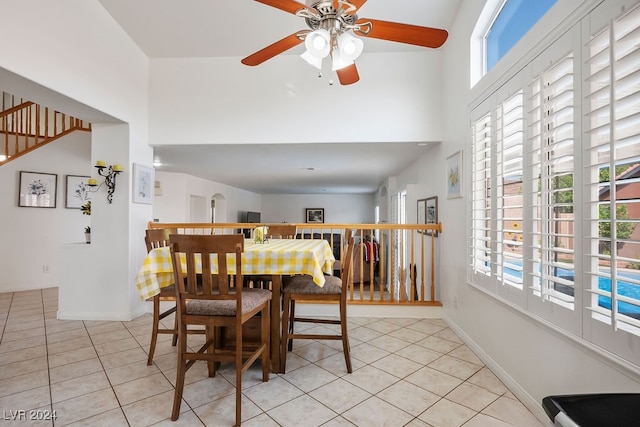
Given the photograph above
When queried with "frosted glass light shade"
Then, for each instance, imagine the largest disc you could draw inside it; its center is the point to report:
(318, 43)
(350, 47)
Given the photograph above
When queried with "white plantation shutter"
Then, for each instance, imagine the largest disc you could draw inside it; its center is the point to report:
(612, 180)
(551, 189)
(555, 184)
(509, 200)
(480, 197)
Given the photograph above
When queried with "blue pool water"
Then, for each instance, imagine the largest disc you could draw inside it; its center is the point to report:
(627, 289)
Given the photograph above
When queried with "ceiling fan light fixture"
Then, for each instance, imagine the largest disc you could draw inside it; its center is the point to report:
(350, 47)
(312, 60)
(339, 61)
(318, 43)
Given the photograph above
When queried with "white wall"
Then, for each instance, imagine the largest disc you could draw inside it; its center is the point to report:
(173, 205)
(32, 237)
(219, 100)
(338, 208)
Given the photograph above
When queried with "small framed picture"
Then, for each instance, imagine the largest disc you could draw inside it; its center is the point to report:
(431, 214)
(38, 190)
(315, 215)
(142, 184)
(76, 191)
(454, 175)
(428, 213)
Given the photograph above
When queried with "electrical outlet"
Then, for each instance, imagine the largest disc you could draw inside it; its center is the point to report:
(45, 268)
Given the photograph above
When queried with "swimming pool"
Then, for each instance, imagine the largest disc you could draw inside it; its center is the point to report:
(628, 289)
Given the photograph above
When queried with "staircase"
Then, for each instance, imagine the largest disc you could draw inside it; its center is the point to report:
(25, 126)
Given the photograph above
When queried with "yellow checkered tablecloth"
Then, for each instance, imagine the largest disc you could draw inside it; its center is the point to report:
(278, 256)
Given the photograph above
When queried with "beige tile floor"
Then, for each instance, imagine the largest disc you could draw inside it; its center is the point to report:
(407, 372)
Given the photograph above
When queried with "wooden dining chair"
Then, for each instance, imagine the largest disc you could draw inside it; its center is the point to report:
(302, 287)
(157, 238)
(217, 304)
(281, 231)
(274, 231)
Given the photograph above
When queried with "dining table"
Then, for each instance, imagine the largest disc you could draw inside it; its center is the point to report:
(274, 257)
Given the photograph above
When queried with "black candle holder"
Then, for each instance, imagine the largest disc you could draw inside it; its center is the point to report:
(109, 173)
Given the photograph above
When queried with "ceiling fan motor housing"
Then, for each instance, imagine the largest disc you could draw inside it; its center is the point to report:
(329, 18)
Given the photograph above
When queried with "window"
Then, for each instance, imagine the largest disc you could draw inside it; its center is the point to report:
(613, 176)
(513, 21)
(552, 184)
(509, 197)
(481, 197)
(555, 183)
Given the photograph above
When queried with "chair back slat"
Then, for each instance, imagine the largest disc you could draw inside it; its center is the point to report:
(281, 231)
(197, 250)
(158, 237)
(346, 265)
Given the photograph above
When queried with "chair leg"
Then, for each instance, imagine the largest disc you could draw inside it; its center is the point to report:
(292, 321)
(180, 374)
(210, 335)
(345, 337)
(154, 331)
(175, 328)
(265, 336)
(238, 376)
(285, 332)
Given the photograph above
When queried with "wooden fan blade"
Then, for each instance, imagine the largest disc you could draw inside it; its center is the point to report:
(274, 49)
(402, 33)
(358, 3)
(348, 75)
(290, 6)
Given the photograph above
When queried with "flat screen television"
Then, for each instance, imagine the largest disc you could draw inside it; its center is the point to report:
(253, 217)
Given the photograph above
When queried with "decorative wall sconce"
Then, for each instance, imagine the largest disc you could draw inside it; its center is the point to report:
(109, 173)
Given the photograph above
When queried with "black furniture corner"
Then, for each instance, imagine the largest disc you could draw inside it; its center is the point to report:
(594, 410)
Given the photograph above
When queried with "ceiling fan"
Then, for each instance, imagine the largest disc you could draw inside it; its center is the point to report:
(331, 23)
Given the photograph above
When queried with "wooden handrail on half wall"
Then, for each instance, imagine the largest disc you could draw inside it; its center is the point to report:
(25, 126)
(393, 263)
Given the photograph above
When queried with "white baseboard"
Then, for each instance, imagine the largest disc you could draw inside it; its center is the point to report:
(377, 311)
(527, 400)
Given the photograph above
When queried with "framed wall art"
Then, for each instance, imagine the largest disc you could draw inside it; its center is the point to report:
(431, 214)
(38, 190)
(428, 213)
(142, 184)
(454, 175)
(76, 191)
(315, 215)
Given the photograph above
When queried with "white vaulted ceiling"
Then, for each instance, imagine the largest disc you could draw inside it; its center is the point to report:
(237, 28)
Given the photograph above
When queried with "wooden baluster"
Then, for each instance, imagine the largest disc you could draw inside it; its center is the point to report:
(433, 266)
(423, 266)
(381, 265)
(6, 136)
(403, 277)
(14, 128)
(37, 123)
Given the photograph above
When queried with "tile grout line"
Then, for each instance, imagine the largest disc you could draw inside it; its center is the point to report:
(46, 346)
